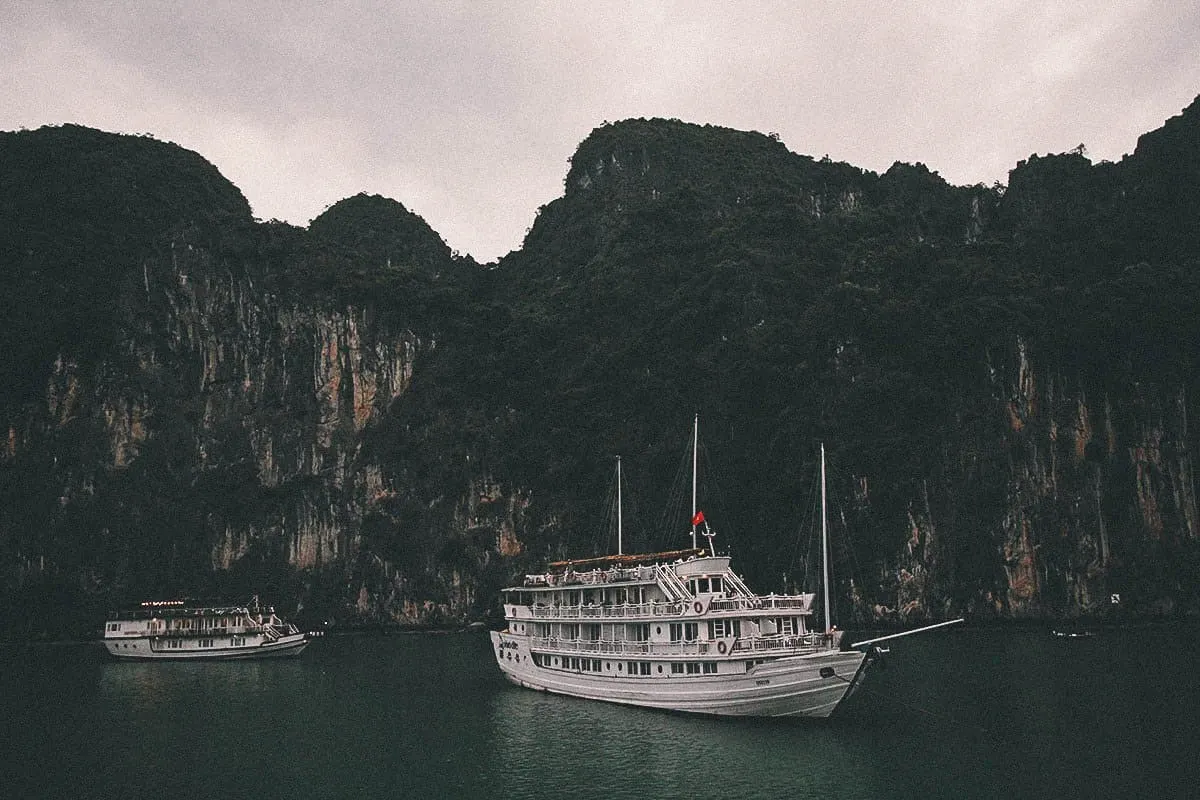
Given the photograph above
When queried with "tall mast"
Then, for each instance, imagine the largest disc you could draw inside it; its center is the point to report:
(824, 541)
(619, 543)
(695, 448)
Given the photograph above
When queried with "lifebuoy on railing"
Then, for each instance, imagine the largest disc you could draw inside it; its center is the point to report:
(698, 607)
(722, 647)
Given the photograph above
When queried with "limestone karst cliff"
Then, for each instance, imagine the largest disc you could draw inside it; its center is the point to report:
(364, 426)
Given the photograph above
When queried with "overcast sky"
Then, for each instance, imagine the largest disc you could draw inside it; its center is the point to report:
(466, 112)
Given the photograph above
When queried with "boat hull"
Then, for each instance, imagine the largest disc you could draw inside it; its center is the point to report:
(145, 649)
(809, 685)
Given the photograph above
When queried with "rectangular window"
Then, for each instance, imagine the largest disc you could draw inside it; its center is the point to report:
(710, 668)
(676, 668)
(720, 628)
(693, 668)
(644, 667)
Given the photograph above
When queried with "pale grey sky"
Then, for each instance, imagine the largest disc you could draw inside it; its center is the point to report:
(466, 112)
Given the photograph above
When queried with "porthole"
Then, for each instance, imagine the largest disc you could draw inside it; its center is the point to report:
(660, 669)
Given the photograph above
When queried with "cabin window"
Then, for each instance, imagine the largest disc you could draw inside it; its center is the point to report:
(637, 631)
(685, 631)
(676, 668)
(720, 628)
(786, 626)
(710, 667)
(643, 667)
(592, 631)
(718, 584)
(693, 668)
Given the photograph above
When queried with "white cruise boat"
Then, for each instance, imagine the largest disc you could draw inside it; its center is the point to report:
(680, 631)
(677, 631)
(170, 629)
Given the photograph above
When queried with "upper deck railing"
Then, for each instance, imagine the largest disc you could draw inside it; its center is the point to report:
(795, 604)
(593, 577)
(612, 611)
(775, 645)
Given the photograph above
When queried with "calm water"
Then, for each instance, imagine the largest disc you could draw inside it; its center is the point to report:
(956, 714)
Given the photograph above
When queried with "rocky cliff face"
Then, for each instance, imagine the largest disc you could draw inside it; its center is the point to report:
(329, 418)
(1075, 498)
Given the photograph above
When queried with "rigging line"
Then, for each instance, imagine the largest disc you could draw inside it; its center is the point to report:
(806, 524)
(604, 530)
(678, 497)
(712, 484)
(847, 538)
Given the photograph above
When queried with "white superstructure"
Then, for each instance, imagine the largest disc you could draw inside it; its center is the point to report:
(170, 629)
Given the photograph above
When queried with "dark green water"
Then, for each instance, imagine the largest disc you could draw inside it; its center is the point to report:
(956, 714)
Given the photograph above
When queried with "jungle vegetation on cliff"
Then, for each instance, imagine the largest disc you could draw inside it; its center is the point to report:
(370, 428)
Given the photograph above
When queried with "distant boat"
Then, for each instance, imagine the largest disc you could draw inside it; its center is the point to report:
(678, 630)
(170, 629)
(1073, 634)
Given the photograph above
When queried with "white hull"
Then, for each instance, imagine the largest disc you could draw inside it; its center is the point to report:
(786, 686)
(148, 648)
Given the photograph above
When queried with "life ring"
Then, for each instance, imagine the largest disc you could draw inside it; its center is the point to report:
(698, 607)
(722, 647)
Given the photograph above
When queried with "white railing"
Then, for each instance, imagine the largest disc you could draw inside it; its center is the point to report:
(739, 586)
(616, 611)
(791, 602)
(675, 588)
(801, 604)
(778, 645)
(595, 577)
(606, 647)
(783, 645)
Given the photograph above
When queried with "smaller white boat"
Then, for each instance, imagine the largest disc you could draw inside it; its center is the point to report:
(171, 629)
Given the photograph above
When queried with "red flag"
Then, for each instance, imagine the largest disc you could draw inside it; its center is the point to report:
(696, 520)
